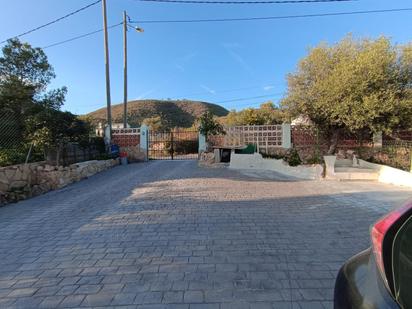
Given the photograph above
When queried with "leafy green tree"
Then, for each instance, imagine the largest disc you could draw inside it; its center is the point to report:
(270, 114)
(51, 130)
(353, 86)
(267, 113)
(25, 74)
(29, 114)
(208, 125)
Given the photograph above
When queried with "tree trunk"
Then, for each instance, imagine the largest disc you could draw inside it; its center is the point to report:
(333, 142)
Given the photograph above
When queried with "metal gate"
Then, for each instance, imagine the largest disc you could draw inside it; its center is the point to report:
(173, 145)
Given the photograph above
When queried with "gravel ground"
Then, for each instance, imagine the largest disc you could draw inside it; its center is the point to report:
(168, 234)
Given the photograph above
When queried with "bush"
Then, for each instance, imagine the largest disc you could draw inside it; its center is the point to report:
(277, 156)
(185, 147)
(11, 157)
(104, 156)
(98, 142)
(293, 158)
(315, 159)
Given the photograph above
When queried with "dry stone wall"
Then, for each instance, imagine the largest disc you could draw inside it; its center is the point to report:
(19, 182)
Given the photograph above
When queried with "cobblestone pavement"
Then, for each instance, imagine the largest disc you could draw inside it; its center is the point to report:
(171, 235)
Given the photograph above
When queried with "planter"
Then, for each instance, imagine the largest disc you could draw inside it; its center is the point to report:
(123, 160)
(330, 165)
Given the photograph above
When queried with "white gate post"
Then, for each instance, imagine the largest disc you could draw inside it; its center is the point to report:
(144, 140)
(286, 136)
(202, 143)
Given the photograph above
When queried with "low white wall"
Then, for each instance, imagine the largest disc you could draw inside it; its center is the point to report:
(257, 162)
(389, 174)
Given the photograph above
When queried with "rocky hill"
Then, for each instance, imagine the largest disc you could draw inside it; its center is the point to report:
(173, 113)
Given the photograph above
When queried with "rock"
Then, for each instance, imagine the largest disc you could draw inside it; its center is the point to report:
(341, 154)
(208, 157)
(10, 173)
(18, 175)
(3, 177)
(49, 168)
(4, 186)
(19, 184)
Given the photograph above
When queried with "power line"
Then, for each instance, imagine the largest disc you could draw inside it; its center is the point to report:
(270, 17)
(251, 98)
(217, 92)
(81, 36)
(233, 19)
(53, 21)
(245, 2)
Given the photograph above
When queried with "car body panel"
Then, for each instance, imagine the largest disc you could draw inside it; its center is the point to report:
(359, 285)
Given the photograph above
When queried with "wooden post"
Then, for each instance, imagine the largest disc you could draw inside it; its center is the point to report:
(124, 70)
(106, 53)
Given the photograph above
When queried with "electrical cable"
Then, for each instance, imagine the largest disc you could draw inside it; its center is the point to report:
(53, 21)
(270, 17)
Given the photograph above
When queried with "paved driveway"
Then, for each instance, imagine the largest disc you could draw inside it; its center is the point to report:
(172, 235)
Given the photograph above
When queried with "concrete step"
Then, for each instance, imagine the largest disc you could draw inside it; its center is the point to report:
(353, 170)
(353, 173)
(344, 163)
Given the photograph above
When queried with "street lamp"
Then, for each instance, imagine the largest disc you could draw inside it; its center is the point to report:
(125, 25)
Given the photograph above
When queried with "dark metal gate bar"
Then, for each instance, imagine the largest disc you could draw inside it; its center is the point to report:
(173, 145)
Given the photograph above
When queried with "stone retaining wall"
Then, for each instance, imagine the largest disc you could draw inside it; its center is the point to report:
(18, 182)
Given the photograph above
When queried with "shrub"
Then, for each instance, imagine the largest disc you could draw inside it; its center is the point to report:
(315, 159)
(98, 142)
(293, 158)
(104, 156)
(277, 156)
(11, 157)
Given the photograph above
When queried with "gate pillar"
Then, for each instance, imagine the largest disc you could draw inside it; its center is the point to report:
(202, 143)
(144, 140)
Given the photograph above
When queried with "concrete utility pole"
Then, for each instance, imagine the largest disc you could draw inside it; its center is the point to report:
(125, 69)
(106, 53)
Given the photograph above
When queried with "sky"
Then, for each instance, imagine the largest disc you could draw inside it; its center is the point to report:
(235, 64)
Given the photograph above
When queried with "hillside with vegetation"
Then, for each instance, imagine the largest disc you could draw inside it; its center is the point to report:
(161, 114)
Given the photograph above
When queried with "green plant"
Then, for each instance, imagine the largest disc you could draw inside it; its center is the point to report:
(209, 126)
(98, 142)
(316, 157)
(18, 155)
(293, 158)
(276, 156)
(11, 157)
(268, 113)
(104, 156)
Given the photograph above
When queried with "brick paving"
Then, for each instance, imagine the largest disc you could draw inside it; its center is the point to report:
(172, 235)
